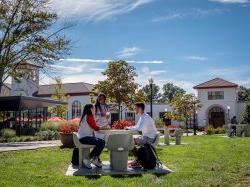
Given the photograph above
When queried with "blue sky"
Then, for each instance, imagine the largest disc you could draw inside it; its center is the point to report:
(181, 41)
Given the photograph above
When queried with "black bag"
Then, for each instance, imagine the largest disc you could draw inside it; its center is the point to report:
(147, 156)
(75, 157)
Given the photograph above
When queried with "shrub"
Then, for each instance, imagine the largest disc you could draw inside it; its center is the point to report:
(245, 118)
(8, 133)
(47, 135)
(211, 130)
(52, 125)
(121, 124)
(159, 123)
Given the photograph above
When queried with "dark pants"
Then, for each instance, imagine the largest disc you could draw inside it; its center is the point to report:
(233, 131)
(99, 145)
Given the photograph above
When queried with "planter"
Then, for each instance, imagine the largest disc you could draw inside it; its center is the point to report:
(67, 140)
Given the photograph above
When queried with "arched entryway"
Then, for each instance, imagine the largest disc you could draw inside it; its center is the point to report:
(216, 116)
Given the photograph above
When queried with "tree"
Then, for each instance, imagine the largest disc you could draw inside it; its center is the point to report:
(184, 106)
(120, 84)
(246, 115)
(156, 95)
(58, 95)
(26, 36)
(244, 94)
(170, 91)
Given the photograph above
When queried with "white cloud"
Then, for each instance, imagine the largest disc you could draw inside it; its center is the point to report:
(91, 10)
(105, 61)
(128, 52)
(196, 58)
(194, 12)
(231, 1)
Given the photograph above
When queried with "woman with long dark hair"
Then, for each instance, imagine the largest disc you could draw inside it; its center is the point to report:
(102, 113)
(86, 135)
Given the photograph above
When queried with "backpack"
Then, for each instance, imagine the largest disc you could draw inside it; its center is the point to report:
(75, 157)
(147, 157)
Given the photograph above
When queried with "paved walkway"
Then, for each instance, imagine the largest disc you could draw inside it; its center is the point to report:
(16, 146)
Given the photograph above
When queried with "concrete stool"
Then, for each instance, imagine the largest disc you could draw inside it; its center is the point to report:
(119, 146)
(157, 139)
(84, 149)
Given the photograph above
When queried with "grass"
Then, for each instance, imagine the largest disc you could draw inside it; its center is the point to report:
(205, 161)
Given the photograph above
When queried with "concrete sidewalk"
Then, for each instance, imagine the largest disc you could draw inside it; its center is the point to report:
(16, 146)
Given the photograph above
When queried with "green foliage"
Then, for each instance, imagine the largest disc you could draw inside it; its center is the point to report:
(51, 125)
(48, 135)
(244, 94)
(119, 86)
(58, 95)
(26, 35)
(156, 92)
(211, 130)
(7, 133)
(170, 91)
(159, 122)
(245, 118)
(183, 106)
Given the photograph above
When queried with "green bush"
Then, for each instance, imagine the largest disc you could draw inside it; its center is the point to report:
(8, 133)
(48, 135)
(245, 118)
(211, 130)
(51, 126)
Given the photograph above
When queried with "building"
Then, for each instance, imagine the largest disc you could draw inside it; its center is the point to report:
(78, 95)
(219, 99)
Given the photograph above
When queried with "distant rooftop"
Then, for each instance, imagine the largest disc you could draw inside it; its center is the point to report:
(216, 83)
(79, 88)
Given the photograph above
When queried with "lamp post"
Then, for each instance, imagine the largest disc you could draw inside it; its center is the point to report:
(151, 81)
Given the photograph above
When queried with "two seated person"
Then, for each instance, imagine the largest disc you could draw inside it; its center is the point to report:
(95, 118)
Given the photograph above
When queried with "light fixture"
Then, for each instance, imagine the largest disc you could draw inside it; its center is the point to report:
(228, 107)
(166, 109)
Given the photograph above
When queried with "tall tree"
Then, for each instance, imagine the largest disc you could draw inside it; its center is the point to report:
(26, 36)
(120, 84)
(245, 118)
(184, 106)
(59, 95)
(169, 91)
(244, 94)
(156, 92)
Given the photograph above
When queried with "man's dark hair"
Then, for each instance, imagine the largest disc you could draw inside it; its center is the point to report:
(140, 105)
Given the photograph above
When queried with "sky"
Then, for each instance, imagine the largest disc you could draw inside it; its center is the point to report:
(185, 42)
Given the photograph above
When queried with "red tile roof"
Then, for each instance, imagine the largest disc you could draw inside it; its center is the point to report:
(216, 83)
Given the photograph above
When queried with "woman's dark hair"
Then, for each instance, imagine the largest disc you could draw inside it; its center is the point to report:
(86, 111)
(98, 104)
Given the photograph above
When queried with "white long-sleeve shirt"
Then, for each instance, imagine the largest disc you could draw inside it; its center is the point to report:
(146, 125)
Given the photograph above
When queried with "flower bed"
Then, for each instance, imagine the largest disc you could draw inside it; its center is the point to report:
(121, 124)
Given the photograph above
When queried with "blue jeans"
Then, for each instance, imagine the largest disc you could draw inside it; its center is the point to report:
(99, 145)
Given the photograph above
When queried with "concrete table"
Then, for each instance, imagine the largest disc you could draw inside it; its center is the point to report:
(119, 143)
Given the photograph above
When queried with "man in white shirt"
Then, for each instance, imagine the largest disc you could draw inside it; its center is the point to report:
(145, 124)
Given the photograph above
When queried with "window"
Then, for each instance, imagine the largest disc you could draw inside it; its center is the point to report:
(215, 95)
(76, 109)
(130, 115)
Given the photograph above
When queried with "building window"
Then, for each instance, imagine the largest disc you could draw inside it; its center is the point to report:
(215, 95)
(130, 115)
(76, 109)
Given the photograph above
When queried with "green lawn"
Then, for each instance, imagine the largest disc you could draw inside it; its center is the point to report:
(205, 161)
